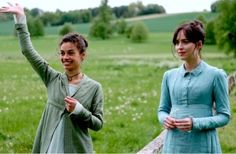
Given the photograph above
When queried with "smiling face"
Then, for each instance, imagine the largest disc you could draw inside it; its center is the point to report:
(185, 49)
(70, 56)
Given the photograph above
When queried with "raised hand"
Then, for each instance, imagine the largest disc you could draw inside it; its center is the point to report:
(16, 9)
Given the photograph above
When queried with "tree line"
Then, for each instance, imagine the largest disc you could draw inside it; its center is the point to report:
(87, 15)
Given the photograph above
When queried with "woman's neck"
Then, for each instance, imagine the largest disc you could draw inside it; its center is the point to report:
(73, 75)
(190, 65)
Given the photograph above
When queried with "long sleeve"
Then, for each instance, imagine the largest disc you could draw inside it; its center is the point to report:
(92, 118)
(220, 95)
(165, 102)
(36, 61)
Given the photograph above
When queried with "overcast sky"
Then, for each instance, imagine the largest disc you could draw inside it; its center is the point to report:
(171, 6)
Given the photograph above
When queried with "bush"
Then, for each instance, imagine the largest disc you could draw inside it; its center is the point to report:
(66, 28)
(120, 26)
(139, 32)
(36, 27)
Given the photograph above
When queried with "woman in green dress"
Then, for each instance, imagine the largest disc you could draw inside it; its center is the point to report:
(75, 101)
(188, 95)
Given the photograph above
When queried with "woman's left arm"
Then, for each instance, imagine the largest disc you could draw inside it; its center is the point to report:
(93, 118)
(221, 99)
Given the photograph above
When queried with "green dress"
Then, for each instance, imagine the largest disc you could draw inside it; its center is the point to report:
(89, 94)
(192, 94)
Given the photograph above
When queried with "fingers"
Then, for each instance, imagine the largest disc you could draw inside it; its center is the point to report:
(70, 103)
(169, 123)
(184, 124)
(181, 124)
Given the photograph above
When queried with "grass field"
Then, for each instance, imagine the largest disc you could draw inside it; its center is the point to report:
(130, 74)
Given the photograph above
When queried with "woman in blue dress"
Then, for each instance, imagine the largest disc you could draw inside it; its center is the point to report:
(188, 95)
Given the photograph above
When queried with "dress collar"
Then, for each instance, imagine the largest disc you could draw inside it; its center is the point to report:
(196, 71)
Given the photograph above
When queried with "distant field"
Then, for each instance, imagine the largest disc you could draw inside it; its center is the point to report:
(155, 23)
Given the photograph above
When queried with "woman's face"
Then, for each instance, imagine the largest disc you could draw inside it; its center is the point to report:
(70, 56)
(185, 49)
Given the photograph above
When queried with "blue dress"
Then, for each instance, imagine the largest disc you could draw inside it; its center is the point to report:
(192, 94)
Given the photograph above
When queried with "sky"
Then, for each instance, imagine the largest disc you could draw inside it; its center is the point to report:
(171, 6)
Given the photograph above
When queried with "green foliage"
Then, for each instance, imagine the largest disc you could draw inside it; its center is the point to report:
(139, 32)
(215, 6)
(101, 26)
(121, 26)
(36, 27)
(159, 23)
(202, 19)
(226, 26)
(210, 33)
(67, 28)
(128, 31)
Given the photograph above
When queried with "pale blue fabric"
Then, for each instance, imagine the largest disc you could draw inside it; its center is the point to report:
(191, 94)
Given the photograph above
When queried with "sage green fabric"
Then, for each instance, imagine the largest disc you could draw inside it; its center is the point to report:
(89, 94)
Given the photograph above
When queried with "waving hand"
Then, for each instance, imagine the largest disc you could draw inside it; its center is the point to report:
(16, 9)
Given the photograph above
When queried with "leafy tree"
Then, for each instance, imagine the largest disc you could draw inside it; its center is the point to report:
(67, 28)
(101, 26)
(128, 31)
(139, 32)
(134, 9)
(226, 26)
(210, 34)
(35, 12)
(36, 27)
(202, 19)
(151, 9)
(120, 26)
(215, 6)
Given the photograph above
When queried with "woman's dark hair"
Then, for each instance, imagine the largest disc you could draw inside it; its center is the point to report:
(77, 39)
(193, 31)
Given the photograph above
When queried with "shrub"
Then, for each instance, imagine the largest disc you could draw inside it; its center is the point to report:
(66, 28)
(36, 27)
(139, 32)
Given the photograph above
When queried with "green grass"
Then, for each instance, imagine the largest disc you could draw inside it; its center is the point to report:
(130, 74)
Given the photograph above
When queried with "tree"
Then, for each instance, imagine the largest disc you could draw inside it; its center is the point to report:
(36, 27)
(102, 27)
(226, 26)
(120, 26)
(210, 34)
(67, 28)
(215, 6)
(139, 32)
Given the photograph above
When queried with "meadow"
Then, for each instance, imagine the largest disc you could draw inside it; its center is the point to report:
(130, 74)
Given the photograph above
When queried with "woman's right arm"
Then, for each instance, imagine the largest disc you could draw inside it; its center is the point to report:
(37, 62)
(165, 106)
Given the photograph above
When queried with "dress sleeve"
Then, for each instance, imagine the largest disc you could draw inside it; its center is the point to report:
(45, 72)
(93, 118)
(165, 102)
(221, 99)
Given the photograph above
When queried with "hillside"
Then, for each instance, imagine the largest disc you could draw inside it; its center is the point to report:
(155, 23)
